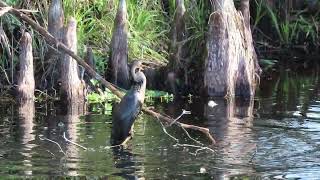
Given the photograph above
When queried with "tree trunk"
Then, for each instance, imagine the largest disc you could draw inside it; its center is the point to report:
(178, 35)
(118, 63)
(178, 64)
(26, 76)
(52, 57)
(230, 64)
(55, 23)
(72, 87)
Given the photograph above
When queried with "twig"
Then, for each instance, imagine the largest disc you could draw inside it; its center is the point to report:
(65, 138)
(165, 131)
(54, 143)
(54, 42)
(200, 148)
(187, 133)
(183, 113)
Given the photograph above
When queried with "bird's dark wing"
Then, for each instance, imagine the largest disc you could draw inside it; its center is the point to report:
(124, 116)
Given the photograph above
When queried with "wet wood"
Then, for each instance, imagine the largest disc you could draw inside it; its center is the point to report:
(72, 89)
(230, 64)
(26, 83)
(118, 72)
(52, 41)
(26, 126)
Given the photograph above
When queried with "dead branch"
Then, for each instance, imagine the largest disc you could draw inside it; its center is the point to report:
(199, 148)
(61, 47)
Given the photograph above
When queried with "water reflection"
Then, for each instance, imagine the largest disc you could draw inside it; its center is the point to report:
(124, 160)
(281, 125)
(72, 120)
(231, 123)
(27, 113)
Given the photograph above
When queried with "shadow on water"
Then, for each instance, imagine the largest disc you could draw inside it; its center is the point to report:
(275, 135)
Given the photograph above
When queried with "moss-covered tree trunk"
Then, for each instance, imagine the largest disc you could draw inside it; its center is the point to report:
(72, 89)
(118, 63)
(230, 64)
(26, 83)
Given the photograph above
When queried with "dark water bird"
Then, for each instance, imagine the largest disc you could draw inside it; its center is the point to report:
(125, 113)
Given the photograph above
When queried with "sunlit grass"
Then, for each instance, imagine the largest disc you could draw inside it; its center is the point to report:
(147, 28)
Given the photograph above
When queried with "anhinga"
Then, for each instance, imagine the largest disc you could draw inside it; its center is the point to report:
(124, 113)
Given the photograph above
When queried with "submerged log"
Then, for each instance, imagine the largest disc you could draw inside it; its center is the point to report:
(26, 83)
(72, 89)
(117, 66)
(230, 64)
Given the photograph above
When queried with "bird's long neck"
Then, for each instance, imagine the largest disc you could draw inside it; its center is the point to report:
(140, 87)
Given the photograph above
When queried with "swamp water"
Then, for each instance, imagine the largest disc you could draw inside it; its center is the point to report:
(277, 135)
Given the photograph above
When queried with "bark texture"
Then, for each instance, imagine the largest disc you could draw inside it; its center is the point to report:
(72, 86)
(55, 23)
(26, 83)
(178, 35)
(178, 64)
(118, 62)
(230, 65)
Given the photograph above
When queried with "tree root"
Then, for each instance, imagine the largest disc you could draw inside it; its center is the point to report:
(61, 47)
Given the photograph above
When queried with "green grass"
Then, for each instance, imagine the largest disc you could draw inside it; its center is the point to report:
(147, 27)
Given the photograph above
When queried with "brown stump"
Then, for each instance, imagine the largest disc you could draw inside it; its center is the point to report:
(230, 64)
(72, 89)
(26, 84)
(118, 62)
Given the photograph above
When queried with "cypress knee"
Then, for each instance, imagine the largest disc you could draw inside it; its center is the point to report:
(26, 83)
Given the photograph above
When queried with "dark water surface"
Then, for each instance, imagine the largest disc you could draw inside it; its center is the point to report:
(276, 135)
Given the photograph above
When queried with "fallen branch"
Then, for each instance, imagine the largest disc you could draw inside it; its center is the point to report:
(60, 46)
(199, 148)
(183, 113)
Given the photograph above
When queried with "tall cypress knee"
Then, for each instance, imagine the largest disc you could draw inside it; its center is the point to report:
(72, 86)
(230, 64)
(26, 83)
(118, 62)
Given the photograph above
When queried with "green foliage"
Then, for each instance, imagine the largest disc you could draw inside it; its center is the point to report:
(147, 27)
(295, 28)
(196, 21)
(151, 95)
(267, 63)
(102, 103)
(12, 2)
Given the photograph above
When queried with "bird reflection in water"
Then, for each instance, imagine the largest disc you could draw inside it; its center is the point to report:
(125, 113)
